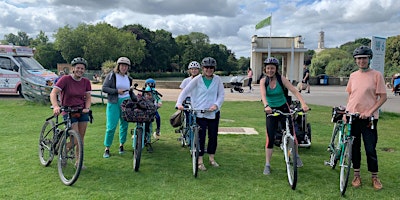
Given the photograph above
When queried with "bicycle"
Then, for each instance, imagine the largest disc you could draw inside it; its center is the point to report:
(340, 147)
(66, 143)
(141, 134)
(190, 134)
(289, 144)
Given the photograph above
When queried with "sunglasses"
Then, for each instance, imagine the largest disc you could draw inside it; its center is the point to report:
(209, 67)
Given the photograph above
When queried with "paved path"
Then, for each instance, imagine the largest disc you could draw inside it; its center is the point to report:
(320, 95)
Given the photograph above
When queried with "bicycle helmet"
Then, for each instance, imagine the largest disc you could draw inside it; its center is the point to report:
(362, 51)
(150, 82)
(272, 60)
(194, 64)
(124, 60)
(209, 61)
(78, 60)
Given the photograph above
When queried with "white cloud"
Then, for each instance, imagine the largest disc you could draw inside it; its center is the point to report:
(229, 22)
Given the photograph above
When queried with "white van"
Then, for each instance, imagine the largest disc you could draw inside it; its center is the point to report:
(21, 74)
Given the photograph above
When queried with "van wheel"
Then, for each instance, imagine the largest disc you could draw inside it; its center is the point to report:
(20, 92)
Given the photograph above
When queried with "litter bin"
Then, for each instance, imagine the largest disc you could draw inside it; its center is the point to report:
(323, 79)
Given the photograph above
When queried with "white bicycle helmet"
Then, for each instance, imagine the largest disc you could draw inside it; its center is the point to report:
(194, 64)
(124, 60)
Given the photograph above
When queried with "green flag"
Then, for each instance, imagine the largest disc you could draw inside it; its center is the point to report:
(265, 22)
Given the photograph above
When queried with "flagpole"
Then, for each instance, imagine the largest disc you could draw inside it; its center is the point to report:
(269, 42)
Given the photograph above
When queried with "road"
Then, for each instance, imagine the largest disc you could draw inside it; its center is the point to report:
(320, 95)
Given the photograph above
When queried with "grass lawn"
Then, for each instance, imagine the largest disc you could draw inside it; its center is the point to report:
(167, 173)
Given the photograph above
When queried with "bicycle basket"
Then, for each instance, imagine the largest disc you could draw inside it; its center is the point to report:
(337, 113)
(134, 112)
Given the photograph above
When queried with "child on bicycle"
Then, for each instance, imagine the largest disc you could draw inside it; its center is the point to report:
(150, 85)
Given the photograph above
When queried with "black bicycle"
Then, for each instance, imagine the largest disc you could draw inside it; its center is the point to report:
(66, 143)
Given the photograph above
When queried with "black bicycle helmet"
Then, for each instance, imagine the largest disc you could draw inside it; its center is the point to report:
(79, 60)
(362, 51)
(272, 60)
(209, 61)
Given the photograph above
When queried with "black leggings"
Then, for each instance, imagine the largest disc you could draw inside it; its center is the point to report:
(272, 125)
(212, 126)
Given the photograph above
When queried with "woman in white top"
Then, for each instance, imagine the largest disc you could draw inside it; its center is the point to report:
(194, 70)
(207, 93)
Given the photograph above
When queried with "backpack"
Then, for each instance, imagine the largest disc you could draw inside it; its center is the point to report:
(285, 90)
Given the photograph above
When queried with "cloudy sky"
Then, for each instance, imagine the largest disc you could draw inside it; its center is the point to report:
(228, 22)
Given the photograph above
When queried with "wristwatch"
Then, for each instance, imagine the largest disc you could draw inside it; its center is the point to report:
(266, 105)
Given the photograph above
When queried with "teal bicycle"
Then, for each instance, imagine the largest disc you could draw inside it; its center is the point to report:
(340, 146)
(141, 134)
(190, 134)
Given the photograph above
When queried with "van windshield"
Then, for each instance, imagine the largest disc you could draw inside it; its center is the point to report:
(29, 63)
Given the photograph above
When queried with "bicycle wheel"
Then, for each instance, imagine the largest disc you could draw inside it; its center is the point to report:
(46, 153)
(345, 165)
(70, 157)
(334, 146)
(290, 151)
(195, 150)
(137, 148)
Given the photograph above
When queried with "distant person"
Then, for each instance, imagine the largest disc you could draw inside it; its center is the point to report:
(306, 77)
(250, 77)
(367, 93)
(207, 93)
(116, 85)
(75, 92)
(194, 70)
(273, 97)
(61, 74)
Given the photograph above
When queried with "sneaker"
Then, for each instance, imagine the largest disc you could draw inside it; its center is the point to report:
(202, 167)
(106, 153)
(214, 164)
(267, 170)
(356, 182)
(376, 183)
(308, 92)
(121, 150)
(299, 162)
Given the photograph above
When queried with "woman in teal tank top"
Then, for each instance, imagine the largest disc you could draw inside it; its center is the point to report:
(272, 89)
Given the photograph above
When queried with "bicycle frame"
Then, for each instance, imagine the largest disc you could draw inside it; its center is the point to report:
(66, 143)
(289, 145)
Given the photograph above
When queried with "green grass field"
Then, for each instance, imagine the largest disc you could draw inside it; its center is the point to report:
(167, 173)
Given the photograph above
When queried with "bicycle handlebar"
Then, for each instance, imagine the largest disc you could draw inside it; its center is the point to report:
(355, 115)
(276, 112)
(134, 87)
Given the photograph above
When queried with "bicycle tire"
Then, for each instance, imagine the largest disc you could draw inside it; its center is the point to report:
(334, 147)
(345, 165)
(46, 149)
(137, 148)
(195, 150)
(70, 157)
(290, 153)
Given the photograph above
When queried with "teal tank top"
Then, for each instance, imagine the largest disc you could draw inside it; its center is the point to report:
(275, 97)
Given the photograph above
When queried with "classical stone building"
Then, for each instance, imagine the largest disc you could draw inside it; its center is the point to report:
(289, 50)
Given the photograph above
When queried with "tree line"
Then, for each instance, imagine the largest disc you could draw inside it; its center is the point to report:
(149, 51)
(339, 62)
(158, 51)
